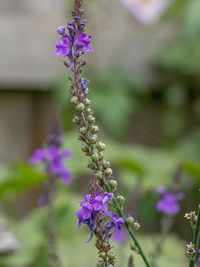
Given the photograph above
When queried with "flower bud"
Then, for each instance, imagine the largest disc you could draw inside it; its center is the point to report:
(121, 199)
(91, 119)
(94, 129)
(130, 220)
(87, 101)
(89, 111)
(80, 107)
(95, 157)
(74, 100)
(84, 148)
(100, 155)
(91, 165)
(113, 184)
(83, 130)
(106, 164)
(136, 226)
(93, 139)
(101, 146)
(61, 30)
(75, 119)
(102, 255)
(99, 175)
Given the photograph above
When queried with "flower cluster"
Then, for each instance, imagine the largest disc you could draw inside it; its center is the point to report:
(53, 157)
(169, 204)
(96, 205)
(71, 45)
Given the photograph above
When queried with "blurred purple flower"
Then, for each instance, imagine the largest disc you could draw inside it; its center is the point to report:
(198, 259)
(146, 11)
(169, 203)
(83, 42)
(116, 223)
(120, 237)
(63, 47)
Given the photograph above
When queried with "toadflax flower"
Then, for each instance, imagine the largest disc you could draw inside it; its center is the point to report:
(53, 158)
(96, 205)
(146, 11)
(170, 201)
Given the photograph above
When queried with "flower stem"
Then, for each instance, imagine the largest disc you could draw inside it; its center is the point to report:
(120, 212)
(196, 239)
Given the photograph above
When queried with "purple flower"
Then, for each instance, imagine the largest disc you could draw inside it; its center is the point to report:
(91, 207)
(116, 223)
(53, 159)
(120, 237)
(198, 259)
(63, 47)
(83, 42)
(84, 83)
(169, 204)
(61, 30)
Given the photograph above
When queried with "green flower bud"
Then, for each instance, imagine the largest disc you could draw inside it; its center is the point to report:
(74, 100)
(80, 107)
(100, 155)
(102, 255)
(91, 165)
(87, 101)
(95, 157)
(84, 148)
(94, 129)
(101, 146)
(75, 119)
(121, 199)
(111, 256)
(89, 111)
(106, 164)
(91, 119)
(83, 130)
(130, 220)
(99, 175)
(113, 184)
(136, 226)
(93, 139)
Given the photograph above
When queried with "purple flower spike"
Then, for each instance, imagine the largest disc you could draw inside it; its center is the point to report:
(169, 204)
(38, 156)
(62, 47)
(83, 42)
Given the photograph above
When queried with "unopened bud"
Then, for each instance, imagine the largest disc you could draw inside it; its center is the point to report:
(100, 155)
(87, 101)
(121, 199)
(101, 146)
(93, 139)
(130, 220)
(80, 107)
(99, 175)
(74, 100)
(106, 164)
(91, 119)
(136, 226)
(94, 129)
(95, 157)
(83, 130)
(113, 184)
(89, 111)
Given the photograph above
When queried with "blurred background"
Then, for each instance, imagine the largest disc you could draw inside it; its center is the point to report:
(145, 90)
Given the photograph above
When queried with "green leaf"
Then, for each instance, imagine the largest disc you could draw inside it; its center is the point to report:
(193, 168)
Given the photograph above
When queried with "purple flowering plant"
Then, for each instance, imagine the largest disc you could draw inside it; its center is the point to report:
(102, 208)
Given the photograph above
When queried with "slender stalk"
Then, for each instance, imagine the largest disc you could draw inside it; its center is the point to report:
(196, 239)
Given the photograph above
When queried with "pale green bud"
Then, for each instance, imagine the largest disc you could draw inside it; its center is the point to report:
(99, 175)
(136, 226)
(87, 101)
(95, 157)
(130, 220)
(100, 155)
(84, 148)
(91, 165)
(101, 146)
(80, 107)
(91, 119)
(93, 139)
(83, 130)
(94, 129)
(89, 111)
(121, 199)
(113, 184)
(74, 100)
(106, 164)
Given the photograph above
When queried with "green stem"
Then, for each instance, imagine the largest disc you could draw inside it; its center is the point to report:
(120, 212)
(196, 239)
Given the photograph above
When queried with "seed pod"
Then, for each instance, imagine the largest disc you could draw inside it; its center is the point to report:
(83, 130)
(130, 220)
(80, 107)
(74, 100)
(94, 129)
(91, 119)
(95, 157)
(93, 139)
(101, 146)
(87, 101)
